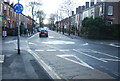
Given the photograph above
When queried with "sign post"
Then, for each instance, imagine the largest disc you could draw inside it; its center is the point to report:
(18, 8)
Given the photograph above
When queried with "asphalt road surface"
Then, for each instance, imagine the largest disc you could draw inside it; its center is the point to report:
(66, 58)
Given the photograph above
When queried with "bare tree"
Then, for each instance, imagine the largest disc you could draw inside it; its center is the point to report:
(66, 7)
(41, 15)
(33, 7)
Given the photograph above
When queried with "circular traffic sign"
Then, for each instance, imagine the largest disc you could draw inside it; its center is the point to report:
(18, 8)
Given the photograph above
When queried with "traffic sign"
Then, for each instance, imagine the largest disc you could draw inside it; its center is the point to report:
(18, 8)
(4, 17)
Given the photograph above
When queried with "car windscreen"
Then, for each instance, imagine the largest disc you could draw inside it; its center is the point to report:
(43, 31)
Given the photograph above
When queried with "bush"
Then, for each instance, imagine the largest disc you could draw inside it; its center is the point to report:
(96, 28)
(114, 31)
(92, 27)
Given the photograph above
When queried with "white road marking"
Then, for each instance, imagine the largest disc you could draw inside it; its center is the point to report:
(11, 41)
(2, 58)
(32, 36)
(50, 50)
(114, 45)
(32, 43)
(1, 61)
(90, 55)
(103, 53)
(64, 50)
(77, 62)
(84, 44)
(39, 50)
(109, 59)
(51, 37)
(59, 42)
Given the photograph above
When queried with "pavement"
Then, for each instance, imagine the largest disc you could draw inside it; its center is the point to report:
(23, 66)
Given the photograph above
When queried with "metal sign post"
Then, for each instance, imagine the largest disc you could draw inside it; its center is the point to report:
(18, 8)
(18, 33)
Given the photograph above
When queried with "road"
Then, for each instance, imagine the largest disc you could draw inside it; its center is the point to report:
(66, 58)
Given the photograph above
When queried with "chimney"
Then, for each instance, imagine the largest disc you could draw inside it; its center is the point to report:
(12, 4)
(92, 3)
(87, 4)
(83, 7)
(98, 1)
(80, 9)
(72, 13)
(76, 10)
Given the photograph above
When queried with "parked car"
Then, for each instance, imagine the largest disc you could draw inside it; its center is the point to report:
(43, 33)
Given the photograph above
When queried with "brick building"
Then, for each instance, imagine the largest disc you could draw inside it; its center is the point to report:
(1, 4)
(109, 11)
(112, 12)
(11, 23)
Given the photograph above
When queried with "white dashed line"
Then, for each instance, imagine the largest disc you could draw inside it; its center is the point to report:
(39, 50)
(61, 50)
(32, 43)
(50, 50)
(84, 44)
(64, 50)
(114, 45)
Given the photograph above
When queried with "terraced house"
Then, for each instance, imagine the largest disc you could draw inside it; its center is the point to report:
(108, 10)
(10, 20)
(1, 2)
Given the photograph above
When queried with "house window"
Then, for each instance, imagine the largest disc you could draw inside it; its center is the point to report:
(109, 22)
(110, 10)
(100, 11)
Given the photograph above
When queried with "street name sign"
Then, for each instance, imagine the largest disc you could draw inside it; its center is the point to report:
(18, 8)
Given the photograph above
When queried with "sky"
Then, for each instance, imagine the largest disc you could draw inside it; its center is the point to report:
(48, 6)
